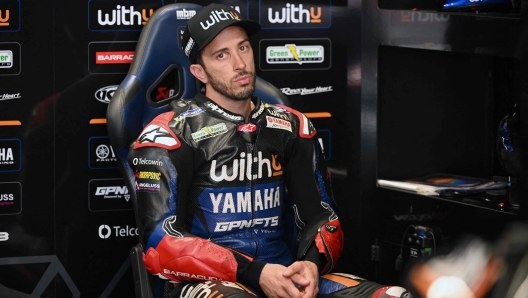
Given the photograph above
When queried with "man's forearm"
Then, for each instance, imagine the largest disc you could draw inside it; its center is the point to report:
(196, 259)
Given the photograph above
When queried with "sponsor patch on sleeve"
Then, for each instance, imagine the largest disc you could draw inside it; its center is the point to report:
(148, 186)
(274, 122)
(158, 134)
(306, 129)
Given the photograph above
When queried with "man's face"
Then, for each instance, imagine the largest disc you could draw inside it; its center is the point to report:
(229, 64)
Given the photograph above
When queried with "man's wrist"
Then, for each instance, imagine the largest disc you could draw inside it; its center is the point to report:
(315, 257)
(253, 273)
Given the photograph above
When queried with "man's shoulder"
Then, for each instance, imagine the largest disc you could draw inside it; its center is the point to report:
(159, 134)
(281, 116)
(185, 109)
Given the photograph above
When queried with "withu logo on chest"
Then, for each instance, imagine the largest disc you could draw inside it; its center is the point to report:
(243, 167)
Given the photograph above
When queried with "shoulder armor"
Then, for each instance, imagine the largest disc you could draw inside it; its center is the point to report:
(158, 134)
(306, 129)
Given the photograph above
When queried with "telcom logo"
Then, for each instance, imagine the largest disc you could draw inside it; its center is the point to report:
(112, 15)
(104, 231)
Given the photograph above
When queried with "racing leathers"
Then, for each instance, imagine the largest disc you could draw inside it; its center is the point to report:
(214, 192)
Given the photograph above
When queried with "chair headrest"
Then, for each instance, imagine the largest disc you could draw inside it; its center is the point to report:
(160, 70)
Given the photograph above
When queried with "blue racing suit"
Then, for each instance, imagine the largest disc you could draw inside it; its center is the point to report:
(214, 193)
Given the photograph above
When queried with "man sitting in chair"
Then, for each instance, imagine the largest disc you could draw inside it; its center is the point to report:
(215, 175)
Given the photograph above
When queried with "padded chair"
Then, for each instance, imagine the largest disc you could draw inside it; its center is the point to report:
(158, 75)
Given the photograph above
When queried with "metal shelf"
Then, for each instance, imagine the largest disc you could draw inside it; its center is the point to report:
(510, 211)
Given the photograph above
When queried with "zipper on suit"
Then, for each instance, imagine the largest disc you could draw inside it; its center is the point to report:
(251, 148)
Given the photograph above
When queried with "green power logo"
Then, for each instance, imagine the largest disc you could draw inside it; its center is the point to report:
(295, 54)
(6, 59)
(291, 53)
(10, 58)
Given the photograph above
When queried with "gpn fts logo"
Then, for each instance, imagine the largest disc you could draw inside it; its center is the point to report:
(120, 15)
(295, 15)
(9, 15)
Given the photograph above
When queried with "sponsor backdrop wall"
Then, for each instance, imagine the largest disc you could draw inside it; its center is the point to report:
(66, 221)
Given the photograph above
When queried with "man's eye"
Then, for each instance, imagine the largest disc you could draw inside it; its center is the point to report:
(221, 55)
(243, 48)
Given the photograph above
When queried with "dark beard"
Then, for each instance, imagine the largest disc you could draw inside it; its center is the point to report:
(223, 89)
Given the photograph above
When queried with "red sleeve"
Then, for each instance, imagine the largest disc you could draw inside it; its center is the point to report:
(196, 259)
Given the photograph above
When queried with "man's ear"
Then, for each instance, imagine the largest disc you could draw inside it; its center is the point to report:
(198, 71)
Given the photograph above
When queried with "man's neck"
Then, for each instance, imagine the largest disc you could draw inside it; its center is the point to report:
(241, 107)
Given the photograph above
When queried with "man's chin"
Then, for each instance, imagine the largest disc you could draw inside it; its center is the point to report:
(245, 94)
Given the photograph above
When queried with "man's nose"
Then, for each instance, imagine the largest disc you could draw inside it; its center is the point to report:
(239, 63)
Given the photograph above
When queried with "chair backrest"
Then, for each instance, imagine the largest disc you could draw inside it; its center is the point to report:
(159, 74)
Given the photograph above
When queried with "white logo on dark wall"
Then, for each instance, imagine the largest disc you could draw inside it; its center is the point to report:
(4, 236)
(10, 155)
(105, 231)
(6, 156)
(108, 195)
(7, 96)
(295, 15)
(101, 153)
(7, 197)
(120, 15)
(105, 94)
(123, 15)
(306, 91)
(113, 192)
(10, 198)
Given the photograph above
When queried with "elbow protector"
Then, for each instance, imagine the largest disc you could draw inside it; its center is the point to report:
(191, 259)
(329, 241)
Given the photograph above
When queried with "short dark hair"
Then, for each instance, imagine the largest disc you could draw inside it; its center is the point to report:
(199, 58)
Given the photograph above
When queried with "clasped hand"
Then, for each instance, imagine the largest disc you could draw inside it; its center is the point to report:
(279, 281)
